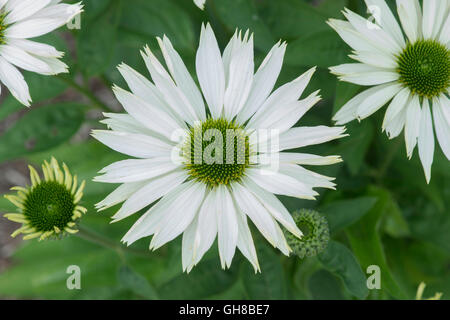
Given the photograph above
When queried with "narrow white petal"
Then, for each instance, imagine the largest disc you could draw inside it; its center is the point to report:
(182, 77)
(444, 37)
(281, 184)
(36, 48)
(434, 13)
(227, 226)
(410, 15)
(24, 60)
(412, 126)
(395, 126)
(426, 140)
(260, 216)
(133, 144)
(308, 159)
(14, 81)
(441, 115)
(378, 99)
(305, 136)
(123, 122)
(386, 20)
(263, 81)
(136, 170)
(210, 71)
(245, 241)
(120, 194)
(179, 215)
(396, 106)
(149, 193)
(20, 10)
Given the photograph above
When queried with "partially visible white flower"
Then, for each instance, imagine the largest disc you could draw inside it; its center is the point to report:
(21, 20)
(408, 67)
(200, 3)
(207, 200)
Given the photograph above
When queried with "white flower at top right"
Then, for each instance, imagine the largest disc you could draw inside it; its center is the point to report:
(407, 65)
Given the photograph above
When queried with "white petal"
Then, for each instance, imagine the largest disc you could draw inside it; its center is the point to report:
(445, 32)
(375, 59)
(200, 3)
(378, 99)
(149, 193)
(307, 177)
(286, 94)
(386, 20)
(308, 159)
(135, 170)
(173, 96)
(412, 127)
(283, 117)
(281, 184)
(441, 115)
(14, 81)
(23, 9)
(259, 215)
(240, 77)
(395, 126)
(263, 81)
(148, 223)
(120, 194)
(210, 71)
(133, 144)
(147, 114)
(123, 122)
(23, 60)
(347, 112)
(396, 106)
(410, 15)
(274, 206)
(305, 136)
(245, 241)
(434, 13)
(426, 140)
(182, 77)
(36, 48)
(227, 226)
(178, 215)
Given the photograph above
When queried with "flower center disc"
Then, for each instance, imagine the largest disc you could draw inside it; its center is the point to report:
(424, 68)
(49, 205)
(216, 152)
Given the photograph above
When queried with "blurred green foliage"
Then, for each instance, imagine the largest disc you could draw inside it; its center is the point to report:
(383, 213)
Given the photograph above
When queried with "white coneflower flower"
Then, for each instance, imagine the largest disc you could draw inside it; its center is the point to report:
(413, 72)
(199, 198)
(24, 19)
(200, 3)
(50, 207)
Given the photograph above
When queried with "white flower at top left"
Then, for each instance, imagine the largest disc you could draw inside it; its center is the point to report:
(21, 20)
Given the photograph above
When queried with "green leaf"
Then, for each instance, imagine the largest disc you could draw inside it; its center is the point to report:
(323, 285)
(341, 214)
(270, 283)
(137, 283)
(339, 260)
(322, 49)
(243, 14)
(41, 129)
(354, 148)
(205, 280)
(366, 243)
(96, 42)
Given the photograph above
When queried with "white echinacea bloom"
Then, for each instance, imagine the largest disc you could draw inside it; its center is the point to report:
(200, 4)
(413, 72)
(202, 199)
(21, 20)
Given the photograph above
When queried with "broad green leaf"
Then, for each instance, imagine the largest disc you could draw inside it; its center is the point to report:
(322, 49)
(270, 283)
(366, 243)
(339, 260)
(137, 283)
(343, 213)
(96, 42)
(243, 14)
(41, 129)
(205, 280)
(323, 285)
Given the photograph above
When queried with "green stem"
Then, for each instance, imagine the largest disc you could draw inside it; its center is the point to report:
(95, 238)
(96, 101)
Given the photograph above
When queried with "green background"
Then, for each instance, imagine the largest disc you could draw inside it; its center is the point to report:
(383, 212)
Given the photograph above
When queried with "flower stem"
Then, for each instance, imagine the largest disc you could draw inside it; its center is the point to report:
(95, 238)
(96, 101)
